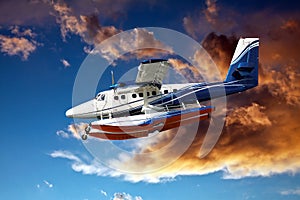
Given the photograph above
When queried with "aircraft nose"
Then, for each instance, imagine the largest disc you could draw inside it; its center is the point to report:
(69, 113)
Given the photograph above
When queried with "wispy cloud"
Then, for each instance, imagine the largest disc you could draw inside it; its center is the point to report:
(290, 192)
(65, 63)
(211, 12)
(50, 185)
(44, 184)
(94, 167)
(65, 154)
(103, 193)
(62, 134)
(73, 131)
(210, 18)
(25, 32)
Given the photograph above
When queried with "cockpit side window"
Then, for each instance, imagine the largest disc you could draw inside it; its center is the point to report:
(102, 97)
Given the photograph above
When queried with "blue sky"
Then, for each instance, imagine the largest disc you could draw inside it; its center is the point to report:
(41, 52)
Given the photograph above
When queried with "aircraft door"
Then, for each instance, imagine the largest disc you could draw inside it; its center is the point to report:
(101, 101)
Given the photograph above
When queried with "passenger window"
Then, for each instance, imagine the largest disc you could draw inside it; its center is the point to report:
(141, 95)
(153, 93)
(123, 96)
(148, 94)
(133, 95)
(175, 90)
(116, 98)
(166, 91)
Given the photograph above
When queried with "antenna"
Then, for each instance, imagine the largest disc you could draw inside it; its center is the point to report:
(112, 77)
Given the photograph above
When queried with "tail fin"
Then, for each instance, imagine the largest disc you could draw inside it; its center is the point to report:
(244, 63)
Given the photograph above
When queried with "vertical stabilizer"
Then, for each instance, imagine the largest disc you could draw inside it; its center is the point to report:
(244, 63)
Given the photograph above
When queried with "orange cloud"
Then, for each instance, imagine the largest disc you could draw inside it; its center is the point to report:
(253, 116)
(93, 33)
(20, 46)
(261, 134)
(88, 27)
(211, 11)
(291, 25)
(260, 137)
(189, 72)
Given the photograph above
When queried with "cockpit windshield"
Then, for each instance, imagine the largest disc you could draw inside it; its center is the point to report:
(100, 97)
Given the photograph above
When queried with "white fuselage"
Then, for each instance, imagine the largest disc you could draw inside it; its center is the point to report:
(121, 99)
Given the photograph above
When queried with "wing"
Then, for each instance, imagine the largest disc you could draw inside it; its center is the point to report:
(152, 71)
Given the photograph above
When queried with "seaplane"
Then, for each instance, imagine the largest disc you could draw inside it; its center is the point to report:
(128, 111)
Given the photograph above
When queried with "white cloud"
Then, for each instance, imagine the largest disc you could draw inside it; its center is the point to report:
(65, 63)
(50, 185)
(77, 130)
(125, 196)
(104, 193)
(65, 154)
(138, 198)
(291, 192)
(94, 167)
(74, 131)
(62, 134)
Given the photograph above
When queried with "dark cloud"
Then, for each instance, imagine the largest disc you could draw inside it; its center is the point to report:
(16, 12)
(260, 137)
(36, 12)
(221, 49)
